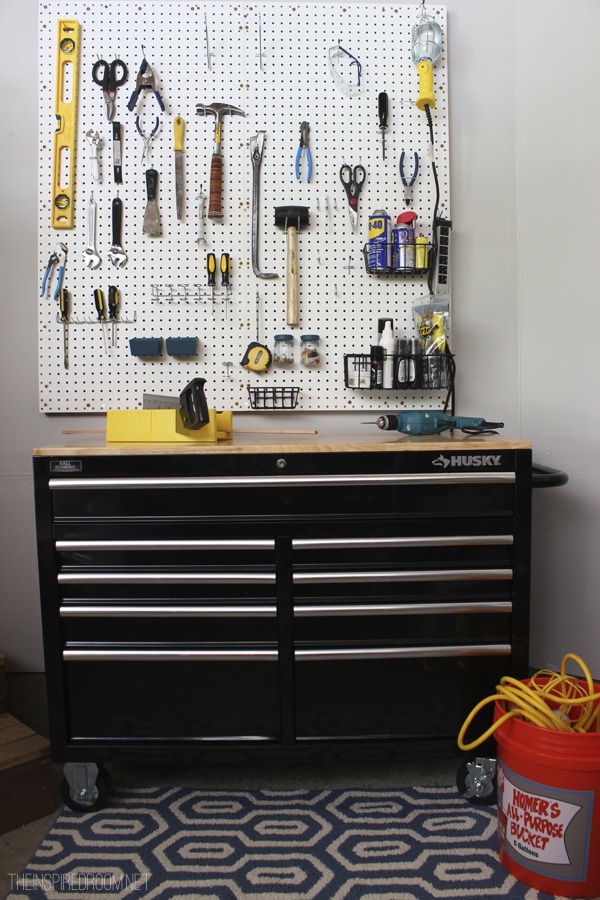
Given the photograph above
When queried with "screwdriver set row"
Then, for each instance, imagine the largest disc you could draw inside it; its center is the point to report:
(278, 64)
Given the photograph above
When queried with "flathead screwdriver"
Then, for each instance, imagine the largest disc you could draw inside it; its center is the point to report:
(383, 109)
(211, 267)
(113, 308)
(101, 310)
(225, 276)
(63, 304)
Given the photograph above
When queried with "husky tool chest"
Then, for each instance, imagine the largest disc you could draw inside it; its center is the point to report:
(284, 597)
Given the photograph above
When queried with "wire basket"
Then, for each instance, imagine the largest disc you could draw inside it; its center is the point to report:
(273, 397)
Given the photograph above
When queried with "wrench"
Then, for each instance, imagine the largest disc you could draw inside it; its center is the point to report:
(95, 140)
(92, 258)
(116, 254)
(256, 153)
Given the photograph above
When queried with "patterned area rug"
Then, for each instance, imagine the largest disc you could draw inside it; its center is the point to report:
(405, 844)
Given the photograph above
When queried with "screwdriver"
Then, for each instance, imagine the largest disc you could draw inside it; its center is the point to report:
(101, 310)
(225, 273)
(63, 303)
(211, 267)
(113, 306)
(383, 118)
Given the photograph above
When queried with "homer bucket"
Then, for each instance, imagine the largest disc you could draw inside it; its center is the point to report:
(547, 730)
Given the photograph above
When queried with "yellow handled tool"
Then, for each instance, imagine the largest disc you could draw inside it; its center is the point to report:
(178, 130)
(67, 83)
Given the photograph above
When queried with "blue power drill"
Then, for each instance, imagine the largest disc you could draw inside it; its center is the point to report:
(417, 421)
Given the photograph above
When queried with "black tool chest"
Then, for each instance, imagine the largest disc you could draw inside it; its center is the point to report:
(286, 599)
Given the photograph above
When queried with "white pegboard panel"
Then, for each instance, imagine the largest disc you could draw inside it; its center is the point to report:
(278, 88)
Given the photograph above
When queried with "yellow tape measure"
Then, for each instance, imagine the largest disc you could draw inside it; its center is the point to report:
(67, 83)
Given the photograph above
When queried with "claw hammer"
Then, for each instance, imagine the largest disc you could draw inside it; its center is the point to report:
(218, 110)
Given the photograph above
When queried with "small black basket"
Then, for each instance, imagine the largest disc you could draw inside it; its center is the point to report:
(273, 397)
(405, 266)
(423, 372)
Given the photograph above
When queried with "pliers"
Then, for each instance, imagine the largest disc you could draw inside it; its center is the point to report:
(145, 81)
(408, 185)
(303, 147)
(58, 258)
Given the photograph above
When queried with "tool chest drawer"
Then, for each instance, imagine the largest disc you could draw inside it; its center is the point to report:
(278, 599)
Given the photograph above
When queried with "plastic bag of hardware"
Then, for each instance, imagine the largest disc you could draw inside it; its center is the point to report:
(431, 319)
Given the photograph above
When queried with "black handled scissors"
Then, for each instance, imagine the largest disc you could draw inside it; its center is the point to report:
(353, 180)
(110, 76)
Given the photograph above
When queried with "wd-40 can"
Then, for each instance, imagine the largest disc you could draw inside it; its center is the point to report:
(378, 248)
(403, 242)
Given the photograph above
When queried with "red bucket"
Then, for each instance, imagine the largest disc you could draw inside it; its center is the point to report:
(549, 806)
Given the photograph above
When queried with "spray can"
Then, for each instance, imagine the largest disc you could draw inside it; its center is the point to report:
(378, 248)
(403, 242)
(388, 342)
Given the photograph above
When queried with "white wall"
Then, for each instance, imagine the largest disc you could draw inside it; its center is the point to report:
(525, 141)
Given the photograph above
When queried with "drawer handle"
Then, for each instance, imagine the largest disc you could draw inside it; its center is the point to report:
(97, 610)
(402, 609)
(169, 655)
(411, 575)
(233, 545)
(377, 653)
(382, 543)
(265, 481)
(165, 578)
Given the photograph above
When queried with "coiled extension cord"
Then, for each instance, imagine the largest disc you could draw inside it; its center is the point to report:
(561, 703)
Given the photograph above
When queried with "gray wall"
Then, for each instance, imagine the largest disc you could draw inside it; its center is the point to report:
(525, 149)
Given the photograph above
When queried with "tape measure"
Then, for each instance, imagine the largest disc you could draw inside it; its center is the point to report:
(67, 83)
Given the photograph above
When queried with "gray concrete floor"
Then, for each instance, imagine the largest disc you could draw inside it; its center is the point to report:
(27, 702)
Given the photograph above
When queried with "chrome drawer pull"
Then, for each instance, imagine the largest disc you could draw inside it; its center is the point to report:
(169, 655)
(264, 481)
(402, 609)
(392, 576)
(379, 653)
(96, 610)
(485, 540)
(166, 578)
(233, 545)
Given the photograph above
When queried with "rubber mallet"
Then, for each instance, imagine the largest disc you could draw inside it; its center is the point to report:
(292, 218)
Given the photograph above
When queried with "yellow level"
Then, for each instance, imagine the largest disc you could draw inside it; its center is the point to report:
(67, 82)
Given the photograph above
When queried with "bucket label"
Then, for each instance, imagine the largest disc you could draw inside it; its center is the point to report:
(545, 829)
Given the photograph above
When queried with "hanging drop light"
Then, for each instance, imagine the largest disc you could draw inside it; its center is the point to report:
(426, 50)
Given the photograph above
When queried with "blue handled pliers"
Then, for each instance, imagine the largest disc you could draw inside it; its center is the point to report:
(303, 146)
(58, 258)
(408, 185)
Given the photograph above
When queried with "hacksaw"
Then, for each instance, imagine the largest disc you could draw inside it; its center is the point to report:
(67, 82)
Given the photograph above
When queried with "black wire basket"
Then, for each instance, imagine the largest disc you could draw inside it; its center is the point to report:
(273, 397)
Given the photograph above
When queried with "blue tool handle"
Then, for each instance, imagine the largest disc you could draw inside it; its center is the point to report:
(60, 275)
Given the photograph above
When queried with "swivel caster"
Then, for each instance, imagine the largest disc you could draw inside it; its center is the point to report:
(476, 781)
(85, 787)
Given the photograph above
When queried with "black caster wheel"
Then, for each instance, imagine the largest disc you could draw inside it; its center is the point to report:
(95, 797)
(476, 781)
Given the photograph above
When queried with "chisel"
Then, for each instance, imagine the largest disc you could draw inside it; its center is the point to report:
(383, 118)
(63, 303)
(178, 129)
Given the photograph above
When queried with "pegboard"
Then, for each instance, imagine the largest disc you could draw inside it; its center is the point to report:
(271, 61)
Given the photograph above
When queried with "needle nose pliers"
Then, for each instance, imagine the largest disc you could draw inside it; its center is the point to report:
(408, 184)
(304, 148)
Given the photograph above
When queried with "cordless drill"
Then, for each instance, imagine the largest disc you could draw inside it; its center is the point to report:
(417, 421)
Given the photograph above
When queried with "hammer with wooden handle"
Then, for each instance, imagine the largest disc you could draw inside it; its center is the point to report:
(218, 110)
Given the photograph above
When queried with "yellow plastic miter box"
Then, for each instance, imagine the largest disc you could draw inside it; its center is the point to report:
(155, 426)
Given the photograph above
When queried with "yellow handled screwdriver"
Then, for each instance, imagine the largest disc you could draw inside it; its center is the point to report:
(211, 268)
(225, 276)
(101, 310)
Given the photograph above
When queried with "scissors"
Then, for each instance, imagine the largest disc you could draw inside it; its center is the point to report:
(110, 76)
(353, 180)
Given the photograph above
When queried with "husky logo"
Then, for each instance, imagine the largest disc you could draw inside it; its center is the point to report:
(476, 461)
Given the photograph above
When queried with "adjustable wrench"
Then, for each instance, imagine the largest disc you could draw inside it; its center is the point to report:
(116, 254)
(92, 258)
(95, 141)
(256, 152)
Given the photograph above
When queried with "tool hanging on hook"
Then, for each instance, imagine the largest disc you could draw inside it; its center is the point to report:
(304, 149)
(257, 144)
(145, 81)
(218, 110)
(383, 111)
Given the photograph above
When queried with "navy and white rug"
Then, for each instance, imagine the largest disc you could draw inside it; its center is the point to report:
(405, 844)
